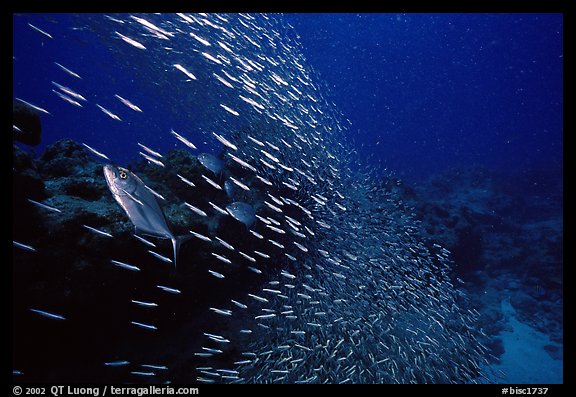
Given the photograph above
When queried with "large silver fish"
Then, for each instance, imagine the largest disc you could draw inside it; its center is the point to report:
(242, 212)
(211, 162)
(140, 205)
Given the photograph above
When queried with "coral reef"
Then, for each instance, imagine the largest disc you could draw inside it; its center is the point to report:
(505, 233)
(78, 234)
(27, 126)
(504, 243)
(70, 267)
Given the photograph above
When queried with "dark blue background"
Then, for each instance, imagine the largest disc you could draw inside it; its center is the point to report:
(425, 92)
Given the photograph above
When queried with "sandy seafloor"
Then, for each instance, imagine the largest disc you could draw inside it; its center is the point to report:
(525, 361)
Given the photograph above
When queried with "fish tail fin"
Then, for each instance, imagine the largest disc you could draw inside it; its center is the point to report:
(177, 242)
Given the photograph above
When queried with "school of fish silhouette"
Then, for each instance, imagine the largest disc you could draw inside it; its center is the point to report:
(295, 263)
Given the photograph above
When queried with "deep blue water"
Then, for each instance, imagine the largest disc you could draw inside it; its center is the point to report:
(423, 92)
(426, 92)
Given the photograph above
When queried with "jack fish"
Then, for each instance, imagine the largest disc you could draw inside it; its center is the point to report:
(140, 205)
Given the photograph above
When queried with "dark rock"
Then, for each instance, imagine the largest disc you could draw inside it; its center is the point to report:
(26, 180)
(496, 347)
(28, 121)
(467, 251)
(64, 158)
(26, 184)
(69, 255)
(85, 187)
(477, 215)
(554, 351)
(505, 233)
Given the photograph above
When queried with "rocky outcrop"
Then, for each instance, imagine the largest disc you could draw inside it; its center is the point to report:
(505, 233)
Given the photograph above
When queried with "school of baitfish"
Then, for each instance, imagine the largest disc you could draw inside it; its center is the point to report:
(347, 291)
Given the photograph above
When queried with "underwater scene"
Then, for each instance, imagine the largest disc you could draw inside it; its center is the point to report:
(212, 198)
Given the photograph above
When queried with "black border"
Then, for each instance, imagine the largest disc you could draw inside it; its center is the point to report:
(393, 6)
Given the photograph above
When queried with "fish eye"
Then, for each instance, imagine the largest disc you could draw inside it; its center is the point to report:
(123, 174)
